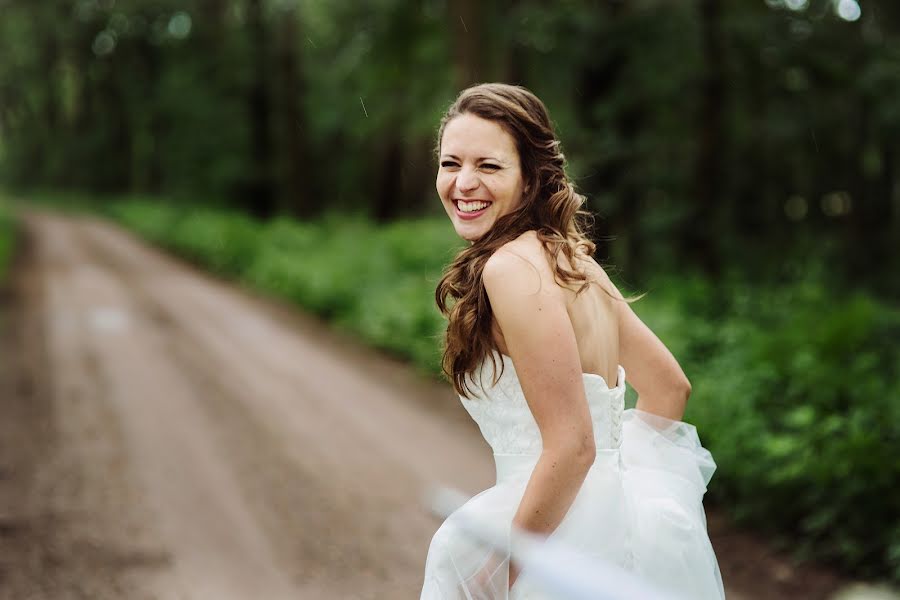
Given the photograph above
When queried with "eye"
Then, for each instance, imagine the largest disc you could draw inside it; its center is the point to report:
(447, 164)
(490, 167)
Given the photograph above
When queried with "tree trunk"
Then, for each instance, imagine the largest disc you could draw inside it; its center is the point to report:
(513, 67)
(297, 189)
(391, 181)
(259, 190)
(418, 177)
(468, 47)
(890, 190)
(616, 232)
(46, 128)
(119, 149)
(701, 228)
(151, 179)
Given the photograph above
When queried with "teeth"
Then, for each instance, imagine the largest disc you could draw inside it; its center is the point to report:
(471, 206)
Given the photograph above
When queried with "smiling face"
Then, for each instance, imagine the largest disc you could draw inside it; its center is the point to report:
(479, 179)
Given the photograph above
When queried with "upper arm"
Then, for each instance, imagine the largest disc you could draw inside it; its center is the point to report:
(651, 367)
(530, 309)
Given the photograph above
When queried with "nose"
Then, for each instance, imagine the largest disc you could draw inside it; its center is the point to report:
(467, 180)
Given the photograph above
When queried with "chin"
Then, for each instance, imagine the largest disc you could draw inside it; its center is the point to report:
(470, 233)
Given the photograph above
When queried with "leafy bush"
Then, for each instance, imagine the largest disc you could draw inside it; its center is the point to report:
(225, 242)
(795, 395)
(375, 281)
(7, 239)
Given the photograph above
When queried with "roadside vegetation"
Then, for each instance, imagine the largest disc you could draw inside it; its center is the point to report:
(794, 386)
(374, 281)
(7, 238)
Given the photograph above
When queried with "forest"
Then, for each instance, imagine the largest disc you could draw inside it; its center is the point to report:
(711, 134)
(742, 158)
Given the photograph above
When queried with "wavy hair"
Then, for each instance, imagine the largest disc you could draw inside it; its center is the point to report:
(550, 207)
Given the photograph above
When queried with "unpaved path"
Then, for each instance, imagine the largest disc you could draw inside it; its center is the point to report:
(204, 444)
(166, 435)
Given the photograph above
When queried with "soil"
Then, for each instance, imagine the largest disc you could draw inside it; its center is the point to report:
(164, 434)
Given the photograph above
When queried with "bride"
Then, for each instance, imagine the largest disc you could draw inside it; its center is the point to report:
(537, 345)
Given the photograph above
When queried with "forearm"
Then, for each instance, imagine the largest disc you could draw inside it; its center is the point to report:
(554, 483)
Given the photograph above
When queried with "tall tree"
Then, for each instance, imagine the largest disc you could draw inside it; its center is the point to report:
(260, 189)
(704, 225)
(465, 20)
(296, 173)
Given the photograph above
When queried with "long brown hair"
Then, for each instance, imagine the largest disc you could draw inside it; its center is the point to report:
(550, 207)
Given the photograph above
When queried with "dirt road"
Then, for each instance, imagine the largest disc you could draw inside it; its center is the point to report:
(200, 443)
(166, 435)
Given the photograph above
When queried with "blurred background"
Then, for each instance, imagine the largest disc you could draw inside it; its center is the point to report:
(742, 158)
(708, 134)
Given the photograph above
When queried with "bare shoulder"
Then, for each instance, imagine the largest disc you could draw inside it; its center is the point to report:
(520, 264)
(526, 247)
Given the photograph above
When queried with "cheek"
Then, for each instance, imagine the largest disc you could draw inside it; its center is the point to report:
(517, 190)
(501, 190)
(442, 184)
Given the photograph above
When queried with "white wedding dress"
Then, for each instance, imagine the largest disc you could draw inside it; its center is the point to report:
(640, 506)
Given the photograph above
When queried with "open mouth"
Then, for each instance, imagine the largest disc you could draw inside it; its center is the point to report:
(471, 209)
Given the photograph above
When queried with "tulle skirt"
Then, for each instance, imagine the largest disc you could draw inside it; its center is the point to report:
(639, 508)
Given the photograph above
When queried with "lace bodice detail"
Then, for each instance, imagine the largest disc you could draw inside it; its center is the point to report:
(507, 424)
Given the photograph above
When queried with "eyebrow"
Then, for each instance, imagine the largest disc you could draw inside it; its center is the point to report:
(454, 157)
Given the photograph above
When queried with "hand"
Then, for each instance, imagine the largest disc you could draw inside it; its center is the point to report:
(513, 574)
(487, 583)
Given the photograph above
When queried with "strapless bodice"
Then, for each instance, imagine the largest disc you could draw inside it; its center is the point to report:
(506, 422)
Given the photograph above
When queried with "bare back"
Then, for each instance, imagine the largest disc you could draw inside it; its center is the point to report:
(594, 319)
(593, 314)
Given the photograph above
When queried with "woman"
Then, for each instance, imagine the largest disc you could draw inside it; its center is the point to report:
(536, 330)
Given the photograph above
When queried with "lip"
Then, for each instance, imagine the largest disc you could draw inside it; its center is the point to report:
(468, 216)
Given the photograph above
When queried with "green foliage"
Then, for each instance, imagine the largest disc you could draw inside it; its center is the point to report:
(794, 387)
(795, 395)
(7, 238)
(224, 242)
(749, 131)
(375, 281)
